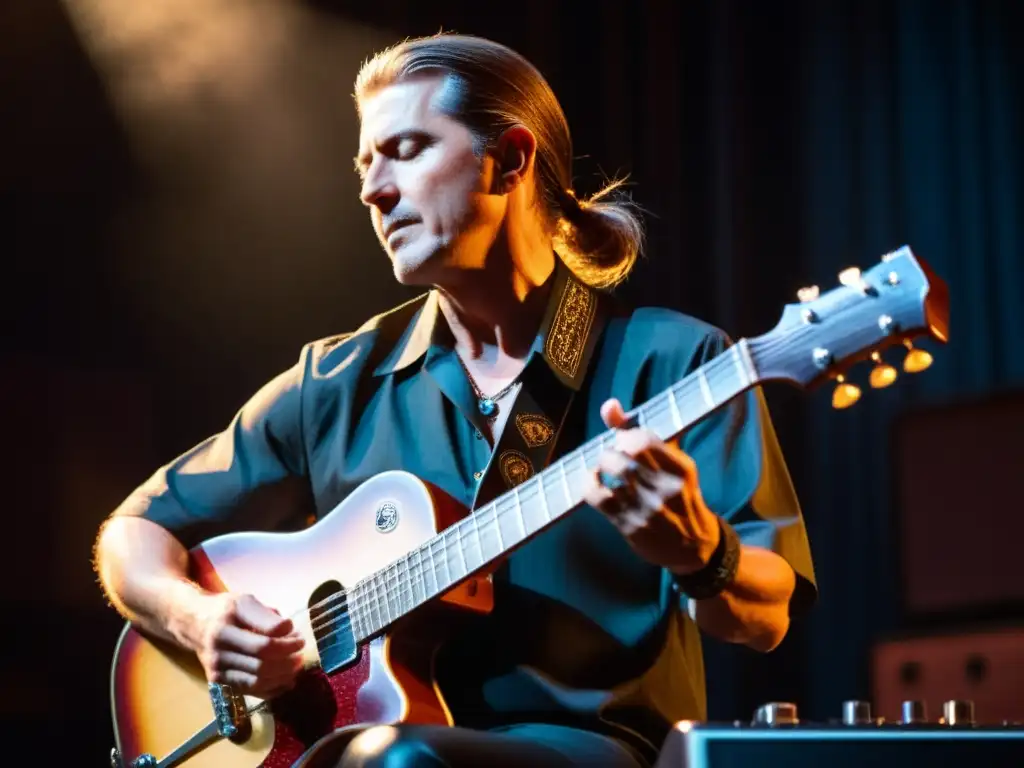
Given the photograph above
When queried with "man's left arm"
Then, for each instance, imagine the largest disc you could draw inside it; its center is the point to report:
(743, 480)
(718, 511)
(753, 609)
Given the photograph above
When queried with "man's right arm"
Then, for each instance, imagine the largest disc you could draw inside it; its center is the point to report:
(250, 476)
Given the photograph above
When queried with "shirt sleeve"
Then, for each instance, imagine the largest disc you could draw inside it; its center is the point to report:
(744, 478)
(251, 476)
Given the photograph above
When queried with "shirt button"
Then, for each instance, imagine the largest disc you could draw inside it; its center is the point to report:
(478, 475)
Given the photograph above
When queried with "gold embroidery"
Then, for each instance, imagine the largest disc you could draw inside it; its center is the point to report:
(535, 429)
(515, 468)
(570, 328)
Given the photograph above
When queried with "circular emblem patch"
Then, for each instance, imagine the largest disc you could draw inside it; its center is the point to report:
(387, 517)
(515, 468)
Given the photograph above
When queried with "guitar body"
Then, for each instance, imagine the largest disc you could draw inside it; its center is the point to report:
(380, 552)
(159, 693)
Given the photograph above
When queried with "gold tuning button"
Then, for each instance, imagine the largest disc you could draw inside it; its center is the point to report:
(916, 360)
(845, 393)
(883, 374)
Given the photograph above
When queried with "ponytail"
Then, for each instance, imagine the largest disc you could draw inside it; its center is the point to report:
(600, 238)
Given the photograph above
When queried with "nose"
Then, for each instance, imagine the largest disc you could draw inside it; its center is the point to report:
(379, 190)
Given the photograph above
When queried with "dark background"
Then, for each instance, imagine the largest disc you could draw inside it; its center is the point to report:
(179, 215)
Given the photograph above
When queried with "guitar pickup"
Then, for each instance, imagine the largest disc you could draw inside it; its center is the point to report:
(230, 713)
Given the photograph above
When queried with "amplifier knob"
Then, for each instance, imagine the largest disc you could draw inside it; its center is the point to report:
(914, 713)
(776, 713)
(856, 713)
(958, 712)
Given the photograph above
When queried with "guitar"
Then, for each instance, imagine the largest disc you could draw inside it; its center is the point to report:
(368, 608)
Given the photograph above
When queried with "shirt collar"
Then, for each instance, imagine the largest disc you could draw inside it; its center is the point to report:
(562, 340)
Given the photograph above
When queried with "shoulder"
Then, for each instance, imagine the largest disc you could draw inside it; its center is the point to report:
(662, 332)
(336, 355)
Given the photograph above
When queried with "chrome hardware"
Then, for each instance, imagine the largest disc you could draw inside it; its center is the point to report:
(856, 713)
(230, 713)
(115, 759)
(886, 324)
(822, 357)
(892, 279)
(958, 712)
(776, 713)
(914, 713)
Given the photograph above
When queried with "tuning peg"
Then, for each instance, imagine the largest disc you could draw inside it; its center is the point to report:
(845, 394)
(850, 277)
(810, 293)
(883, 374)
(916, 360)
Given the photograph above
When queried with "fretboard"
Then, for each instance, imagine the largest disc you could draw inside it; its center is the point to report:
(509, 520)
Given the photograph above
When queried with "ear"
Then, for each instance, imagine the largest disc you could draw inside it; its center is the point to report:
(514, 155)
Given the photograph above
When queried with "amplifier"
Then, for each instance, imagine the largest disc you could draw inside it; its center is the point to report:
(777, 738)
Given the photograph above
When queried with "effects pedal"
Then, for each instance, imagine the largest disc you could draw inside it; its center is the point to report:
(776, 737)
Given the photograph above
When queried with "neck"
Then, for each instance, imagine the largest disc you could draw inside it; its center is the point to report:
(495, 311)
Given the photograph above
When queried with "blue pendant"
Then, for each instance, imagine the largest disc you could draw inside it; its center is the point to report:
(488, 407)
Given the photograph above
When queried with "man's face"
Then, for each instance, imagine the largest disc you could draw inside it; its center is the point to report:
(426, 189)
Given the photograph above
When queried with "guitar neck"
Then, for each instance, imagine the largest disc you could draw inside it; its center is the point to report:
(514, 517)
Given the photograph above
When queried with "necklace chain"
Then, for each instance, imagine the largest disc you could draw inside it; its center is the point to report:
(486, 403)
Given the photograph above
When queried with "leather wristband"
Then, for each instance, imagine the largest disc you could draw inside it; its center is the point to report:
(720, 570)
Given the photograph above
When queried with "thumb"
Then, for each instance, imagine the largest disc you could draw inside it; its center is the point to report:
(613, 414)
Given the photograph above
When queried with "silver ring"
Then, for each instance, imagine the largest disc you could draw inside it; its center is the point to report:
(611, 482)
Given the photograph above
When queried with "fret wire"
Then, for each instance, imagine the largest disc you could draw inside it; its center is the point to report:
(432, 570)
(739, 363)
(376, 602)
(479, 542)
(677, 417)
(519, 512)
(544, 498)
(387, 596)
(456, 531)
(412, 579)
(409, 588)
(565, 483)
(705, 388)
(387, 593)
(393, 611)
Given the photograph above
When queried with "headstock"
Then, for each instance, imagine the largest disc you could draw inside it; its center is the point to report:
(825, 334)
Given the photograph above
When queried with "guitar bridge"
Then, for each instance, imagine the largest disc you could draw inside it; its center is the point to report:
(230, 713)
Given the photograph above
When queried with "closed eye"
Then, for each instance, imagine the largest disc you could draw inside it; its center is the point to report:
(407, 145)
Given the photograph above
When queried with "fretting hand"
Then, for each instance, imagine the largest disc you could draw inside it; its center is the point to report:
(648, 488)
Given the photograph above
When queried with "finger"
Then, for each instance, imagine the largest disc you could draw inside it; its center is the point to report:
(613, 414)
(274, 670)
(255, 615)
(244, 682)
(652, 451)
(595, 493)
(233, 638)
(615, 465)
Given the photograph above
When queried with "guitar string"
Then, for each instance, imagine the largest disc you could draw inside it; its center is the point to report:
(361, 595)
(395, 586)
